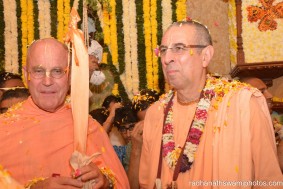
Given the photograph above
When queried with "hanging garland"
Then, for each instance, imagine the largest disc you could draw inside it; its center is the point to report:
(24, 31)
(154, 44)
(30, 18)
(141, 45)
(11, 55)
(180, 10)
(44, 18)
(60, 20)
(105, 24)
(148, 45)
(120, 37)
(161, 82)
(113, 34)
(67, 10)
(134, 55)
(146, 22)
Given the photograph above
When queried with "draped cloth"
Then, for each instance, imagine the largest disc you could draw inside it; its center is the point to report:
(36, 143)
(79, 81)
(79, 93)
(237, 145)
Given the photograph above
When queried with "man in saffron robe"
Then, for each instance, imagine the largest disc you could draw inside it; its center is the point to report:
(38, 135)
(207, 131)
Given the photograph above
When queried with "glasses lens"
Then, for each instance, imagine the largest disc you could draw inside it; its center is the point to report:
(39, 73)
(57, 73)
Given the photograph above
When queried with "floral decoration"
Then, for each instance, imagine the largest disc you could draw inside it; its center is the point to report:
(44, 18)
(24, 29)
(181, 9)
(255, 50)
(11, 35)
(267, 13)
(60, 20)
(113, 34)
(214, 89)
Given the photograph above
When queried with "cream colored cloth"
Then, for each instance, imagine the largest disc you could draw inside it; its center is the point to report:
(79, 160)
(237, 145)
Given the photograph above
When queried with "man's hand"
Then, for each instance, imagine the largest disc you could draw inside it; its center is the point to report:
(58, 183)
(92, 173)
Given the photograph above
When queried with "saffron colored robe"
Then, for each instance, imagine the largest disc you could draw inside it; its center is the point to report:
(237, 145)
(35, 143)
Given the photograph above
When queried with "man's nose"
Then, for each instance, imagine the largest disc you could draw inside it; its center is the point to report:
(47, 79)
(168, 57)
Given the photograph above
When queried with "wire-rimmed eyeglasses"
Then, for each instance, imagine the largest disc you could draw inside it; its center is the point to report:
(56, 73)
(176, 49)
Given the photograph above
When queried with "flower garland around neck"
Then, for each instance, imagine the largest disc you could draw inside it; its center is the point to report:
(214, 88)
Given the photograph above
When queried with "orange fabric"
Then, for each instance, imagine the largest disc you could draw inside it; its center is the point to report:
(237, 144)
(35, 143)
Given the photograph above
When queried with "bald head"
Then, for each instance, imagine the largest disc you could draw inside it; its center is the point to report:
(49, 47)
(260, 85)
(46, 73)
(202, 34)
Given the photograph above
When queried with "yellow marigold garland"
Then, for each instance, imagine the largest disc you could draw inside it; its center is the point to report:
(67, 10)
(181, 9)
(113, 34)
(24, 28)
(60, 20)
(115, 90)
(105, 25)
(153, 20)
(148, 45)
(30, 21)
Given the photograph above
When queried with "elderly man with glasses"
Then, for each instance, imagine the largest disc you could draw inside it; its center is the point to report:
(38, 135)
(207, 132)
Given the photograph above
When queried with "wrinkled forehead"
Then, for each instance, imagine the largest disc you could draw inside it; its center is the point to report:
(178, 34)
(47, 53)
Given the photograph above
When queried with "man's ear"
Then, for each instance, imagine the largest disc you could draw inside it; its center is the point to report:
(207, 54)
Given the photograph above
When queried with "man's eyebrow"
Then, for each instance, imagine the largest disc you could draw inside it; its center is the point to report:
(174, 44)
(162, 46)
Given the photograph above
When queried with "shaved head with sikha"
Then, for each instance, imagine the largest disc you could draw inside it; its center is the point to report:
(46, 73)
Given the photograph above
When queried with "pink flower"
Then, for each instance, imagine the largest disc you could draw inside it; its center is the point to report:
(201, 114)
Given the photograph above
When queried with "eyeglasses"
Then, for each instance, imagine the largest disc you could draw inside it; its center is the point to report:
(177, 48)
(39, 73)
(123, 128)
